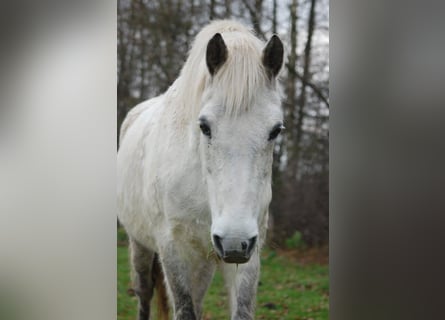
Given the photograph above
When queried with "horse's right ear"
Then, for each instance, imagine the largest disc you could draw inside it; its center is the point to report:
(216, 53)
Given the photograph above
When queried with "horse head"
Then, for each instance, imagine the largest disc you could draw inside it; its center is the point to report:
(240, 119)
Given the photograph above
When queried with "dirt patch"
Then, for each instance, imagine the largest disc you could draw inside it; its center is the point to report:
(314, 255)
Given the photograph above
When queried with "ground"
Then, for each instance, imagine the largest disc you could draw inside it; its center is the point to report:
(294, 285)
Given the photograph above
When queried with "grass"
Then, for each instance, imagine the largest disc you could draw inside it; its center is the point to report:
(287, 290)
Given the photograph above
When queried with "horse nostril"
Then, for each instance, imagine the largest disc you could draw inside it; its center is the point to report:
(218, 244)
(244, 245)
(252, 242)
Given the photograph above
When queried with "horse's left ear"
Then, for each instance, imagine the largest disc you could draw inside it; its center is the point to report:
(273, 56)
(216, 53)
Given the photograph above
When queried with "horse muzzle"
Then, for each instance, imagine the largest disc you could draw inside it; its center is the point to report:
(234, 250)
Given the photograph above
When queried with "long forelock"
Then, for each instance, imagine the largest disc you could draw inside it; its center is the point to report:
(237, 82)
(241, 77)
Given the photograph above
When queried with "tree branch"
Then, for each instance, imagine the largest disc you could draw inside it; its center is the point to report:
(255, 17)
(313, 86)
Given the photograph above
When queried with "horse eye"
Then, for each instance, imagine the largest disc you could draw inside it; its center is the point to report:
(275, 132)
(205, 129)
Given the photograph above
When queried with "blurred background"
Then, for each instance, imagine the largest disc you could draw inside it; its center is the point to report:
(154, 37)
(58, 153)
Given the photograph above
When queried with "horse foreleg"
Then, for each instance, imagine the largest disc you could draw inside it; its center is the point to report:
(178, 276)
(242, 282)
(142, 264)
(202, 277)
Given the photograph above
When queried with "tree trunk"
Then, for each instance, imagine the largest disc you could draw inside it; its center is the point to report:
(274, 17)
(256, 14)
(291, 92)
(306, 77)
(212, 10)
(228, 4)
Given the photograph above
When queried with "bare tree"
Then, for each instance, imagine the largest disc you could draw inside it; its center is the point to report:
(291, 90)
(274, 16)
(306, 77)
(256, 13)
(212, 9)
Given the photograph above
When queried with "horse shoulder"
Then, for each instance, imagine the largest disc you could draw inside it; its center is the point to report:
(132, 203)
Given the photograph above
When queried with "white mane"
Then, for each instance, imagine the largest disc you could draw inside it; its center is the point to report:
(238, 80)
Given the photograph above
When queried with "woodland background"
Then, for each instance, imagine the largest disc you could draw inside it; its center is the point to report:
(154, 37)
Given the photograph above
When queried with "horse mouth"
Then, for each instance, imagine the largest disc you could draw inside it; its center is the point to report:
(235, 259)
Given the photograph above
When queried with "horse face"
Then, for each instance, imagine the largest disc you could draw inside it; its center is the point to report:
(237, 151)
(237, 154)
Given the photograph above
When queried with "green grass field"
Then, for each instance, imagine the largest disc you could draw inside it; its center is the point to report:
(287, 290)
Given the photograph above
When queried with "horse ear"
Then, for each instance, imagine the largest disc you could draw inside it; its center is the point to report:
(216, 53)
(273, 56)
